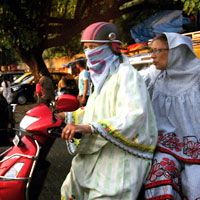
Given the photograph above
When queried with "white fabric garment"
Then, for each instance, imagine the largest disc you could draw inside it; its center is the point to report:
(101, 62)
(114, 161)
(175, 94)
(7, 91)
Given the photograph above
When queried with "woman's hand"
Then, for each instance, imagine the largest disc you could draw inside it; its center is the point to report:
(61, 115)
(70, 129)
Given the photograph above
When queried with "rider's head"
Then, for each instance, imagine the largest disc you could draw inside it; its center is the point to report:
(100, 33)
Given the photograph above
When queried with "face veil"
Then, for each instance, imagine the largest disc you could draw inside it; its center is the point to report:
(101, 62)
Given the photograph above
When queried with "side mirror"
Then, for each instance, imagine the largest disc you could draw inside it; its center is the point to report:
(67, 103)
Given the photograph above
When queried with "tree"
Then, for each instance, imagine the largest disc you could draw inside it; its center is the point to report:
(191, 7)
(8, 57)
(30, 27)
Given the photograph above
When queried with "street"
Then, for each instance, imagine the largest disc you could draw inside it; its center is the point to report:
(60, 164)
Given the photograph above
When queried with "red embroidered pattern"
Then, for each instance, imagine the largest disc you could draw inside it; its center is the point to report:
(190, 146)
(170, 141)
(167, 169)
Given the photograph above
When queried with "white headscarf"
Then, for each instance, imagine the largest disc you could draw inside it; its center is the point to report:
(183, 66)
(101, 62)
(175, 92)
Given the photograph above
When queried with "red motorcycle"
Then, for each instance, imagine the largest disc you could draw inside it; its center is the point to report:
(19, 163)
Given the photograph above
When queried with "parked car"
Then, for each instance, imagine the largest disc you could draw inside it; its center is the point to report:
(22, 78)
(11, 76)
(24, 91)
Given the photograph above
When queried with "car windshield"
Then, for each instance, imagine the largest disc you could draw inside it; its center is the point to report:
(21, 78)
(15, 77)
(28, 79)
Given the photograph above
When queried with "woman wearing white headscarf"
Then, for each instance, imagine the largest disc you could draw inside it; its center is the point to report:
(6, 88)
(174, 87)
(118, 125)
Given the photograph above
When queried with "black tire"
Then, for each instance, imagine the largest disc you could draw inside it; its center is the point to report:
(21, 99)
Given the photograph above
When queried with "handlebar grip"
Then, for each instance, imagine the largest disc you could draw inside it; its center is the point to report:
(57, 131)
(77, 135)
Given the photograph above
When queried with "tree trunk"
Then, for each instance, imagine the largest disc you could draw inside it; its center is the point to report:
(33, 58)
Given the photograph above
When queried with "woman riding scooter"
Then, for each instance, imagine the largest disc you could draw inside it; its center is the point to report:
(118, 125)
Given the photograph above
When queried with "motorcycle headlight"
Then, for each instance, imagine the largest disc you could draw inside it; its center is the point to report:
(27, 121)
(14, 171)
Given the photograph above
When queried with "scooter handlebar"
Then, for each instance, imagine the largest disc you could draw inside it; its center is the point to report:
(57, 131)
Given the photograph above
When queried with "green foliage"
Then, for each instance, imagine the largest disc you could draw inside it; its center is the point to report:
(130, 3)
(191, 6)
(55, 25)
(67, 8)
(8, 57)
(73, 47)
(17, 24)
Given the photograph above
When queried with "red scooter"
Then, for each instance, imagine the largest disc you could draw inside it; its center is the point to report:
(19, 163)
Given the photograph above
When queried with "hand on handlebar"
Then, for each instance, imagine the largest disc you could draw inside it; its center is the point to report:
(70, 130)
(61, 115)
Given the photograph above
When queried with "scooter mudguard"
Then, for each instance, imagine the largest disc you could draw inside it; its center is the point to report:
(16, 169)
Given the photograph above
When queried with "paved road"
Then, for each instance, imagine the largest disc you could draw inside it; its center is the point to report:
(60, 164)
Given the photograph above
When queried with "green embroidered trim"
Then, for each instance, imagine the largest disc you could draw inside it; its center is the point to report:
(71, 198)
(107, 126)
(73, 119)
(75, 116)
(63, 198)
(76, 142)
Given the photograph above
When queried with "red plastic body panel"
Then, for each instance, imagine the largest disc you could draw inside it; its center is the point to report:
(67, 103)
(39, 128)
(16, 189)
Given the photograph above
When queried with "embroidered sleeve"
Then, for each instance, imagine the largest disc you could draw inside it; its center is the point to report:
(75, 117)
(132, 125)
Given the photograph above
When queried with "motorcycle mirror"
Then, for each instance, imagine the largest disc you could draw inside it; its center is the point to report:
(67, 103)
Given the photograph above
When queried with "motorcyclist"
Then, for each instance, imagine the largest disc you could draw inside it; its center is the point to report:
(118, 126)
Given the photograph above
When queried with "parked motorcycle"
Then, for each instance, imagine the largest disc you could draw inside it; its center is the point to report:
(19, 164)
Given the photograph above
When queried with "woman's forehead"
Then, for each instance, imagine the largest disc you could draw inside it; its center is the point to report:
(158, 43)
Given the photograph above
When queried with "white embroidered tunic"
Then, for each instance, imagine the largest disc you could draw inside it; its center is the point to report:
(120, 115)
(114, 161)
(175, 94)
